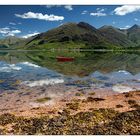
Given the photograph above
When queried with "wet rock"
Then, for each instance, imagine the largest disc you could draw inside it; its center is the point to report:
(136, 106)
(79, 94)
(42, 100)
(131, 102)
(91, 99)
(119, 106)
(122, 88)
(129, 94)
(92, 93)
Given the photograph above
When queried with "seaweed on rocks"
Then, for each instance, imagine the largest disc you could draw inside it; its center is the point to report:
(73, 105)
(123, 123)
(7, 119)
(93, 122)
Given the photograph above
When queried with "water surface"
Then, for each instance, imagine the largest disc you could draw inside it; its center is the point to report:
(96, 69)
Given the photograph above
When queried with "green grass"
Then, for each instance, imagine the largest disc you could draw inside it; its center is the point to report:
(55, 45)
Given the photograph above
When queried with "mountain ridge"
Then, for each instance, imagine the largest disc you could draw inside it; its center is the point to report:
(83, 35)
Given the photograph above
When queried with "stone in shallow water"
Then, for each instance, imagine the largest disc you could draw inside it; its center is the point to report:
(122, 88)
(36, 104)
(43, 82)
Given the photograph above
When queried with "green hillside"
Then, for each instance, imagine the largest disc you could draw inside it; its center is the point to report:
(78, 35)
(116, 36)
(71, 35)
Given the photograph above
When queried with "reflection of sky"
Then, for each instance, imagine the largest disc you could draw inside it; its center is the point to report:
(9, 73)
(26, 71)
(30, 72)
(117, 77)
(113, 76)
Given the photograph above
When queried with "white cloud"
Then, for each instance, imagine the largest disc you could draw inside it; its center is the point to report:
(68, 7)
(8, 32)
(12, 23)
(126, 27)
(15, 31)
(97, 9)
(100, 9)
(99, 12)
(31, 34)
(84, 12)
(51, 6)
(40, 16)
(126, 9)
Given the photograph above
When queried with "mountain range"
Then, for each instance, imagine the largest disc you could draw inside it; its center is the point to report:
(78, 35)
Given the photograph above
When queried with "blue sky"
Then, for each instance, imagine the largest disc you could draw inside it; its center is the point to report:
(24, 21)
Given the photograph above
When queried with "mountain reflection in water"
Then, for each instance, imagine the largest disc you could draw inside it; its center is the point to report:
(92, 68)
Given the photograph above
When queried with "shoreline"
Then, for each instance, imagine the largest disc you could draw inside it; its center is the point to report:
(117, 114)
(69, 49)
(38, 101)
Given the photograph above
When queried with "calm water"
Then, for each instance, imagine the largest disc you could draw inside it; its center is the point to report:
(97, 69)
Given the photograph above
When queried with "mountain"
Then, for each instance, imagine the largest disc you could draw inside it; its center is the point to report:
(10, 41)
(84, 35)
(116, 36)
(71, 32)
(72, 35)
(78, 35)
(134, 34)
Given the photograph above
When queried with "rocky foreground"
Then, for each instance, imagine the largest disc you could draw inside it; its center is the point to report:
(110, 115)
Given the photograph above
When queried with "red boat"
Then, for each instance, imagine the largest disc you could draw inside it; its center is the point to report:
(64, 59)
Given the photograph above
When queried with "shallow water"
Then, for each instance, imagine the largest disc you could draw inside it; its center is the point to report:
(89, 69)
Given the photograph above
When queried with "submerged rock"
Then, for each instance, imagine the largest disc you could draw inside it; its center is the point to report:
(122, 88)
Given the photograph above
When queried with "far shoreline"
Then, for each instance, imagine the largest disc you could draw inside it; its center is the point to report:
(76, 50)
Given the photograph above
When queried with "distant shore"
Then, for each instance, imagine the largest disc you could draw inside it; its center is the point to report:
(76, 49)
